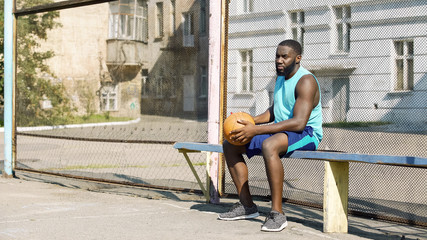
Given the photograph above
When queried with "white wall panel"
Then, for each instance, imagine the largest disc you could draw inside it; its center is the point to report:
(388, 31)
(372, 82)
(390, 10)
(317, 16)
(256, 41)
(316, 36)
(388, 100)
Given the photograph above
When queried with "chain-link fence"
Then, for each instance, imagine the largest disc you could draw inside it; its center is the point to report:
(118, 83)
(114, 85)
(369, 59)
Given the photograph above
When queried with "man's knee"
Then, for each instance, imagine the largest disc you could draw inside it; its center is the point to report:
(272, 148)
(268, 149)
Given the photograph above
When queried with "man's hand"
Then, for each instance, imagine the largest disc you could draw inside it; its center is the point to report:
(245, 133)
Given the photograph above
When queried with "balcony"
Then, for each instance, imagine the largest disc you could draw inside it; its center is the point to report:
(125, 52)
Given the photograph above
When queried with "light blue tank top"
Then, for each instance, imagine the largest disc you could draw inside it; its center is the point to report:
(284, 102)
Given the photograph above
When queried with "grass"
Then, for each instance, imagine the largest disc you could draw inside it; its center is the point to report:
(138, 166)
(170, 165)
(97, 118)
(354, 124)
(199, 164)
(90, 166)
(179, 165)
(101, 166)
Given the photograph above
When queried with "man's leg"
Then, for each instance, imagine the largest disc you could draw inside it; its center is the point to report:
(238, 171)
(271, 149)
(245, 208)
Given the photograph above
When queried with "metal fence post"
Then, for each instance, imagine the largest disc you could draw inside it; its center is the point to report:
(8, 87)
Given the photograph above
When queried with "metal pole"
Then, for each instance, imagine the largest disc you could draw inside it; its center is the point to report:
(8, 88)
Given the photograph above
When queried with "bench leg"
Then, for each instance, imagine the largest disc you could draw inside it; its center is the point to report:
(335, 197)
(190, 164)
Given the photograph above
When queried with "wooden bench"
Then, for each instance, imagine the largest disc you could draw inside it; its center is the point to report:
(335, 192)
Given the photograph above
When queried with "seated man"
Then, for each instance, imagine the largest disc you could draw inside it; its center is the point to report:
(297, 116)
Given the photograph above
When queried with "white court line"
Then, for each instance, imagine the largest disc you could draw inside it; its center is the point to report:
(42, 128)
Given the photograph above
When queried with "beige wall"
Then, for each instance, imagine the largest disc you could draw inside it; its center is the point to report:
(80, 51)
(81, 65)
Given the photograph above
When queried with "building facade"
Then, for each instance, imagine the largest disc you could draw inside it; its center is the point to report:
(369, 56)
(132, 57)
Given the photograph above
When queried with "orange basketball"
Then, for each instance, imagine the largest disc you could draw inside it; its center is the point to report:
(231, 124)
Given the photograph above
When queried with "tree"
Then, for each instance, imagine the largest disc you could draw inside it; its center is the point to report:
(32, 88)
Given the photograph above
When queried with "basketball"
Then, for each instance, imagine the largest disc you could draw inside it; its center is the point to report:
(231, 124)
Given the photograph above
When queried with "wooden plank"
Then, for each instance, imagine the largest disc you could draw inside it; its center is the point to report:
(365, 158)
(202, 147)
(335, 197)
(324, 155)
(57, 6)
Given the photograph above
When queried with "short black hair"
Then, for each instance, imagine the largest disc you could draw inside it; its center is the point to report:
(296, 46)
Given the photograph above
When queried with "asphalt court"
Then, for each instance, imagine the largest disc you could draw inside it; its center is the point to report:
(36, 206)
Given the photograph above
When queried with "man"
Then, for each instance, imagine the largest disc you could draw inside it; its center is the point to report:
(297, 116)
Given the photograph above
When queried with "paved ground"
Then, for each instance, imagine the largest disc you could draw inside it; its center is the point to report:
(33, 209)
(69, 209)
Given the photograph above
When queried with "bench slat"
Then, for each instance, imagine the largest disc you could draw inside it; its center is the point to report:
(202, 147)
(364, 158)
(322, 155)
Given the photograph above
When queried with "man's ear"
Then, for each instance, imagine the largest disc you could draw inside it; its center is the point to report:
(298, 59)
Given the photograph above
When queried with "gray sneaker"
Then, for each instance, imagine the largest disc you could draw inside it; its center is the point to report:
(274, 222)
(238, 211)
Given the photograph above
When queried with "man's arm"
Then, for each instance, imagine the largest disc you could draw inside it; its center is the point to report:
(306, 93)
(265, 117)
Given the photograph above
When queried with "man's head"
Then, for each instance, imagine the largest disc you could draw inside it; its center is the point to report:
(288, 57)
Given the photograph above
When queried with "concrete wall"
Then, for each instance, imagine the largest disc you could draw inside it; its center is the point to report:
(86, 60)
(80, 53)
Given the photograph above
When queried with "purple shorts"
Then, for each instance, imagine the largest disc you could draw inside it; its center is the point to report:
(304, 140)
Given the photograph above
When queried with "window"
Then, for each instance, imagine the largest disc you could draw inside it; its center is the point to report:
(248, 6)
(159, 19)
(109, 97)
(203, 15)
(172, 18)
(297, 26)
(246, 70)
(159, 85)
(341, 29)
(128, 20)
(145, 84)
(403, 65)
(188, 30)
(203, 82)
(172, 86)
